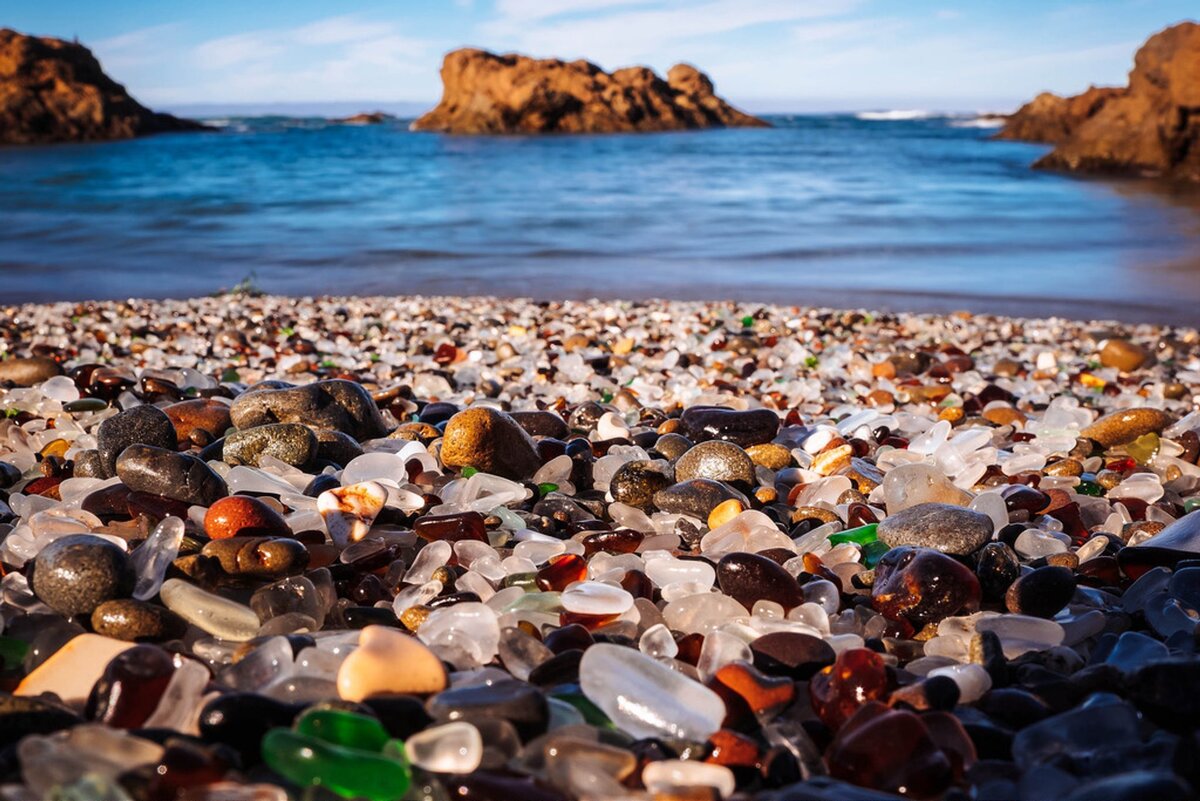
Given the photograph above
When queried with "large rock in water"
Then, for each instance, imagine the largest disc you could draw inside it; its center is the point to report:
(485, 93)
(55, 91)
(1150, 127)
(1051, 118)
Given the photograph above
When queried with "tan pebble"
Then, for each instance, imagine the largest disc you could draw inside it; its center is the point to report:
(71, 671)
(1005, 416)
(1124, 355)
(1067, 559)
(415, 432)
(829, 462)
(766, 495)
(670, 426)
(414, 616)
(953, 414)
(880, 397)
(725, 511)
(804, 512)
(1126, 425)
(388, 661)
(575, 342)
(1007, 367)
(770, 455)
(1064, 467)
(622, 346)
(490, 441)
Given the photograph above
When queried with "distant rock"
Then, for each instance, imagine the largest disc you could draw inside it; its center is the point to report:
(1051, 118)
(366, 118)
(485, 93)
(1149, 128)
(55, 91)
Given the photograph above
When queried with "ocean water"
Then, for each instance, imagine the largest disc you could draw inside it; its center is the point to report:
(898, 210)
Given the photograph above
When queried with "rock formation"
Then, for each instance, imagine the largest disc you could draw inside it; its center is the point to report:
(366, 118)
(55, 91)
(1051, 118)
(485, 93)
(1151, 127)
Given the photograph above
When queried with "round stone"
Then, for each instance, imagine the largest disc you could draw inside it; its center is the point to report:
(136, 621)
(1124, 355)
(28, 372)
(181, 476)
(341, 405)
(370, 669)
(243, 515)
(696, 497)
(489, 440)
(635, 483)
(770, 455)
(1126, 425)
(745, 428)
(943, 527)
(1041, 593)
(147, 425)
(791, 653)
(76, 573)
(291, 443)
(716, 460)
(749, 577)
(207, 416)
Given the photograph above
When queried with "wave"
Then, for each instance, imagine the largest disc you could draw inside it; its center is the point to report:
(895, 115)
(979, 122)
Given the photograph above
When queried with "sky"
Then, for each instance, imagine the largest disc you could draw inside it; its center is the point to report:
(766, 55)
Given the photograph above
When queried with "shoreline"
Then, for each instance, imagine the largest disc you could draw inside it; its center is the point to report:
(996, 309)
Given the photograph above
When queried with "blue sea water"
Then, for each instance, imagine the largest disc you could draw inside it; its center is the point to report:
(896, 211)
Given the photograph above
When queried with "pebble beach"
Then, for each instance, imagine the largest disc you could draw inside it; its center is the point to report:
(269, 548)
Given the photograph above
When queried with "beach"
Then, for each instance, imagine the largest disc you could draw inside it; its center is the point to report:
(620, 547)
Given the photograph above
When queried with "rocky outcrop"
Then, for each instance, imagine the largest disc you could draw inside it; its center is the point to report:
(1051, 118)
(366, 118)
(1151, 127)
(485, 93)
(55, 91)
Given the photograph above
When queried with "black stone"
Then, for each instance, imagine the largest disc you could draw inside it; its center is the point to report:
(147, 425)
(180, 476)
(521, 704)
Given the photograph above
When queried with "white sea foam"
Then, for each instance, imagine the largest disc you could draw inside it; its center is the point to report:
(979, 122)
(894, 115)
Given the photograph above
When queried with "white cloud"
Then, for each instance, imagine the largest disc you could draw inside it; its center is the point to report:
(240, 48)
(346, 57)
(647, 32)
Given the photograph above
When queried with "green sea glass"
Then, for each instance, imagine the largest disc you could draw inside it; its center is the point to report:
(349, 772)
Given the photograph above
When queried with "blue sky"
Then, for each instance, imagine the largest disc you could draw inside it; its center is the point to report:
(769, 55)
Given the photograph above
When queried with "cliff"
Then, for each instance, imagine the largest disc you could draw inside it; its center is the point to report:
(55, 91)
(485, 93)
(1151, 127)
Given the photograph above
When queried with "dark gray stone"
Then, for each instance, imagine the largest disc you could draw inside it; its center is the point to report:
(158, 471)
(341, 405)
(717, 460)
(941, 526)
(147, 425)
(292, 443)
(696, 497)
(75, 574)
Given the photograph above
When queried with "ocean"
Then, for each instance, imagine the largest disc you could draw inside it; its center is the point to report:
(890, 210)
